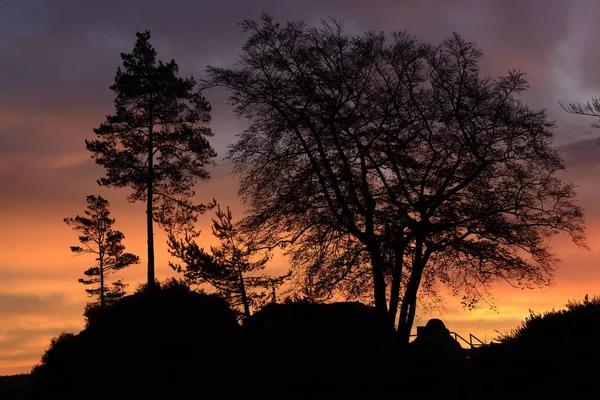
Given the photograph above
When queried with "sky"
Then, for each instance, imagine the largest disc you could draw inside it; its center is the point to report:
(59, 57)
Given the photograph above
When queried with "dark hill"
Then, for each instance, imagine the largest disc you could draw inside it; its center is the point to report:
(143, 346)
(14, 387)
(179, 344)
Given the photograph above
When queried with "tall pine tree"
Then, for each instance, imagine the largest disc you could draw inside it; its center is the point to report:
(156, 142)
(97, 237)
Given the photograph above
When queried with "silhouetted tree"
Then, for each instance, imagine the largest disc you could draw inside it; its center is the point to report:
(227, 266)
(590, 108)
(387, 164)
(97, 237)
(156, 142)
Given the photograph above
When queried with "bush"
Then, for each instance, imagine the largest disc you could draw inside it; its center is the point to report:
(558, 345)
(174, 339)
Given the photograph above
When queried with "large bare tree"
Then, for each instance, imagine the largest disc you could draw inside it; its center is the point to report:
(390, 165)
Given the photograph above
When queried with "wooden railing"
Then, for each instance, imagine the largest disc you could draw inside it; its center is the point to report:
(473, 341)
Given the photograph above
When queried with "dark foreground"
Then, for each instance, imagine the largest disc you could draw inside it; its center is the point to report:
(178, 344)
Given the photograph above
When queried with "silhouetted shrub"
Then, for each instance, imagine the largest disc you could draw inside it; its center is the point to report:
(173, 342)
(562, 346)
(307, 348)
(58, 362)
(578, 319)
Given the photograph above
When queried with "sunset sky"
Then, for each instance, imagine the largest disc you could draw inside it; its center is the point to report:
(58, 58)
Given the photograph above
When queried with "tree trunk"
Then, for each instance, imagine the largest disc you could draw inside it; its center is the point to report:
(102, 297)
(378, 279)
(244, 296)
(396, 280)
(149, 217)
(409, 302)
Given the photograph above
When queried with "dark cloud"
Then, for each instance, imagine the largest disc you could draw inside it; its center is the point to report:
(582, 156)
(28, 304)
(29, 321)
(68, 50)
(15, 338)
(42, 183)
(36, 138)
(10, 275)
(60, 55)
(22, 348)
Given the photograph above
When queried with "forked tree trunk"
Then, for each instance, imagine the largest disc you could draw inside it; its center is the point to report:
(409, 302)
(396, 281)
(378, 279)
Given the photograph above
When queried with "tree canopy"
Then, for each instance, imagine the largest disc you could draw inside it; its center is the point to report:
(391, 165)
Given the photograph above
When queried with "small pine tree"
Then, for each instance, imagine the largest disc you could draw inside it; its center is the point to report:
(227, 266)
(97, 237)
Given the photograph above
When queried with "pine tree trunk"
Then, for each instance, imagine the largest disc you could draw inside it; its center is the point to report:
(244, 295)
(149, 219)
(102, 296)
